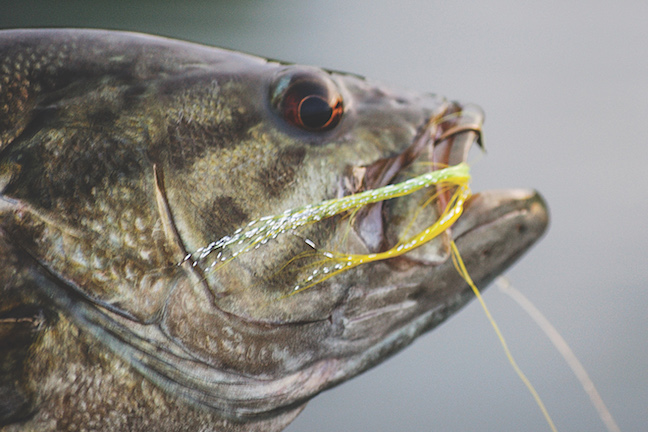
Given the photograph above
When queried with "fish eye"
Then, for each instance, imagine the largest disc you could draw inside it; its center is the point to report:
(308, 100)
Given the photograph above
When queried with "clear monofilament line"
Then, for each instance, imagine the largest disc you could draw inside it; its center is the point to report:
(563, 348)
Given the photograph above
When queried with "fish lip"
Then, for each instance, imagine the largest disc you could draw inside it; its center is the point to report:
(444, 139)
(485, 209)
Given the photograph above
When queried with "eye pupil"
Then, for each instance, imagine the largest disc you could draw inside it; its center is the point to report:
(315, 112)
(307, 99)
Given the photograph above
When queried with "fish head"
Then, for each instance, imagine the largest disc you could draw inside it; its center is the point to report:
(364, 135)
(130, 165)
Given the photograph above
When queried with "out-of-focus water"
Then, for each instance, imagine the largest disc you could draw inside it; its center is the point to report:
(565, 89)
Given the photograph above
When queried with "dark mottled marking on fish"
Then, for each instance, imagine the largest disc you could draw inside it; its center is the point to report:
(220, 222)
(219, 122)
(281, 171)
(189, 140)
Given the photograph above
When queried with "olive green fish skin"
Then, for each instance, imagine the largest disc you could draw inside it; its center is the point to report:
(122, 153)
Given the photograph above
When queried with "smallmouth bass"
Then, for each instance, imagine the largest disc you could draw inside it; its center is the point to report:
(122, 155)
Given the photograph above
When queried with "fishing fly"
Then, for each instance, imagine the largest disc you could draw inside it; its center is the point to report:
(259, 231)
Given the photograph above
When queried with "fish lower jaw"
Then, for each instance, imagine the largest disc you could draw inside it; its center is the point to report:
(487, 210)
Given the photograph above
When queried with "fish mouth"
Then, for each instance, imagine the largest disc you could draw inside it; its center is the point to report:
(445, 139)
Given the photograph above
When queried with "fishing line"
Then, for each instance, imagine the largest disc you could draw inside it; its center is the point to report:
(563, 348)
(461, 269)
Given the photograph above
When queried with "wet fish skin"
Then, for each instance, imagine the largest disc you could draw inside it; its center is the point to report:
(119, 154)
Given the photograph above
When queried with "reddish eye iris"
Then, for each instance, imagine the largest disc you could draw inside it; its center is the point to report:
(308, 101)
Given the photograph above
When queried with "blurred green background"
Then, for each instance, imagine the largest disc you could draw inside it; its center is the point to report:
(565, 89)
